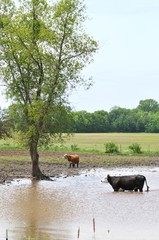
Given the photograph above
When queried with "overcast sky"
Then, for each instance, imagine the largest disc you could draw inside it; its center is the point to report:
(126, 68)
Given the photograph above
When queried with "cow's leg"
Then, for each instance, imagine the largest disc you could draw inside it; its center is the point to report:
(141, 187)
(73, 165)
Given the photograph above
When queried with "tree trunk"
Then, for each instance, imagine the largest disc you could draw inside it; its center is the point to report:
(36, 172)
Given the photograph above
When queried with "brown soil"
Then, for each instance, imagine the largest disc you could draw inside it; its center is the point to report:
(10, 169)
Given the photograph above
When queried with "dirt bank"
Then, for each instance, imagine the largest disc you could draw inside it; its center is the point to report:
(52, 163)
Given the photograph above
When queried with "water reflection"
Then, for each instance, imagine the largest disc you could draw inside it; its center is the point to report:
(57, 210)
(36, 207)
(33, 211)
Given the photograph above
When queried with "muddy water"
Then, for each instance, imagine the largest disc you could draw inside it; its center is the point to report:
(65, 208)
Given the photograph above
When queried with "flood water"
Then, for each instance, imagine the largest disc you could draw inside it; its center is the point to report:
(65, 208)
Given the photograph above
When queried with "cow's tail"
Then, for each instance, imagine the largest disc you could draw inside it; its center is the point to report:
(146, 185)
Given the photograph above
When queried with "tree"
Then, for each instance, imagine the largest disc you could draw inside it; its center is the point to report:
(148, 105)
(82, 122)
(100, 121)
(43, 50)
(5, 123)
(152, 125)
(118, 119)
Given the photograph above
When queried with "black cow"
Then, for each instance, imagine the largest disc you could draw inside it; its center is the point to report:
(131, 182)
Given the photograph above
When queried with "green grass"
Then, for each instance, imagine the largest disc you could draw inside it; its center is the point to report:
(9, 144)
(94, 143)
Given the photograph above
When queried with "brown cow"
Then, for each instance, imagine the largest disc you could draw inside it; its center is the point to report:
(72, 159)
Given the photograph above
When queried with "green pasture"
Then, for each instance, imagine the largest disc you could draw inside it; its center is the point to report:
(95, 142)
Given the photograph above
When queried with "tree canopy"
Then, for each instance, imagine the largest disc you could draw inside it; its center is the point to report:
(43, 50)
(143, 118)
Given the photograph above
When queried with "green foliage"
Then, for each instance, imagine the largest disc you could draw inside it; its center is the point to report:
(152, 125)
(148, 105)
(135, 148)
(43, 49)
(144, 118)
(111, 147)
(6, 124)
(74, 147)
(60, 119)
(91, 122)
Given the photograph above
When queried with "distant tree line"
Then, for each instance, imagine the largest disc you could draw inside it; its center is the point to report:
(143, 118)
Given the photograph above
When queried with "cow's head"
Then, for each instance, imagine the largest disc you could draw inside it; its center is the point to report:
(108, 178)
(65, 156)
(104, 180)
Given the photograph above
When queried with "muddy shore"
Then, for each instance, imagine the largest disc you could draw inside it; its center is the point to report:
(11, 168)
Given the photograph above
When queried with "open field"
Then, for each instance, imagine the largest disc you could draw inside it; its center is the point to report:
(95, 141)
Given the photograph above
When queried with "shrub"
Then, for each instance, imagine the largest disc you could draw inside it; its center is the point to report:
(135, 148)
(111, 147)
(74, 147)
